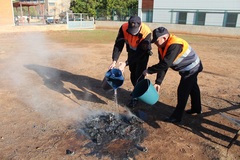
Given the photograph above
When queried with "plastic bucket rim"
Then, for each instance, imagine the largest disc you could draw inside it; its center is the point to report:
(116, 76)
(138, 84)
(144, 94)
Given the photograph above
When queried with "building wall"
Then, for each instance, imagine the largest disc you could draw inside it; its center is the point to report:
(167, 11)
(214, 19)
(198, 4)
(238, 20)
(147, 4)
(55, 7)
(145, 10)
(6, 13)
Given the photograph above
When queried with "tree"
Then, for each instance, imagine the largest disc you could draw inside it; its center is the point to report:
(106, 8)
(84, 6)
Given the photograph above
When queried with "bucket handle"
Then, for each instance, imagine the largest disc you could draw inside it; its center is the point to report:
(139, 78)
(123, 73)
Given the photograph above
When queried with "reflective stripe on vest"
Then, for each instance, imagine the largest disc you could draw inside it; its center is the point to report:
(134, 40)
(191, 66)
(185, 54)
(173, 40)
(179, 61)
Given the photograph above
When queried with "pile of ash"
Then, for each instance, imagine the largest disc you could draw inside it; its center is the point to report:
(115, 136)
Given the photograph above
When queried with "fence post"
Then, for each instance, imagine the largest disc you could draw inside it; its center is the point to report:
(224, 19)
(196, 17)
(171, 20)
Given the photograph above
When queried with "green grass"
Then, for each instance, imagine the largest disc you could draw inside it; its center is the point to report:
(101, 36)
(83, 36)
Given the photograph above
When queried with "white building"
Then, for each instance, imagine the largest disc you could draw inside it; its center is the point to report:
(55, 7)
(224, 13)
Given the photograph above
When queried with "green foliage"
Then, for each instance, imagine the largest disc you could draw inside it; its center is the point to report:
(84, 6)
(107, 8)
(32, 11)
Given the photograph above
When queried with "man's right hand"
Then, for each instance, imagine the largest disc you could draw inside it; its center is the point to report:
(157, 87)
(112, 65)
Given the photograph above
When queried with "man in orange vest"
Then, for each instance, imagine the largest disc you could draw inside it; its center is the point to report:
(137, 37)
(176, 53)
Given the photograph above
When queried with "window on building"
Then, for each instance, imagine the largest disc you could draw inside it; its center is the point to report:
(31, 0)
(51, 4)
(147, 15)
(182, 17)
(200, 18)
(231, 19)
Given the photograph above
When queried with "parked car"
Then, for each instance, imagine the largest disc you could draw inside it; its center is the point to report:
(16, 20)
(49, 20)
(63, 21)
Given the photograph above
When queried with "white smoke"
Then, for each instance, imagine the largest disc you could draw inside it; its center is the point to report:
(33, 74)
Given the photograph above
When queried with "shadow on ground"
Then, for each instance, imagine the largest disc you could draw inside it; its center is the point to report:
(89, 89)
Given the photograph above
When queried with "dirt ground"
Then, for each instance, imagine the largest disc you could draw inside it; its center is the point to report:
(48, 87)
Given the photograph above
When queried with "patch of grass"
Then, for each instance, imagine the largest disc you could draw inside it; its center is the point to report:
(83, 36)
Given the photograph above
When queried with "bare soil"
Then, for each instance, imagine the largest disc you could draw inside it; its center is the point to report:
(50, 85)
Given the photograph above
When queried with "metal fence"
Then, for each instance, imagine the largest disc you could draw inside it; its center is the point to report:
(79, 21)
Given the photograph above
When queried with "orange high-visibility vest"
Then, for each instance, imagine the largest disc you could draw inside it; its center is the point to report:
(179, 61)
(173, 40)
(134, 40)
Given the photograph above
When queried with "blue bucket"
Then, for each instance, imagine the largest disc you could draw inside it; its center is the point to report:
(105, 85)
(145, 91)
(114, 78)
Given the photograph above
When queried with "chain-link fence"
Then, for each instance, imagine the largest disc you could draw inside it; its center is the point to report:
(79, 21)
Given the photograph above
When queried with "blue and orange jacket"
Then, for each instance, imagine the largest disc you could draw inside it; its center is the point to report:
(140, 43)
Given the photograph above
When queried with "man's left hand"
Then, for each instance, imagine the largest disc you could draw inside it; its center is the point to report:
(122, 65)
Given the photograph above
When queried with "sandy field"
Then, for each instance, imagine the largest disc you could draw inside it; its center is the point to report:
(51, 83)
